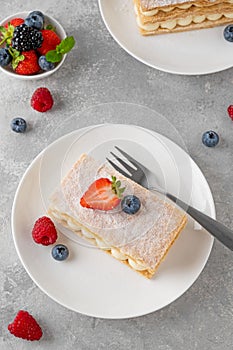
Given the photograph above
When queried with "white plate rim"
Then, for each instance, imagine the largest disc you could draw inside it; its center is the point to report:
(31, 165)
(142, 60)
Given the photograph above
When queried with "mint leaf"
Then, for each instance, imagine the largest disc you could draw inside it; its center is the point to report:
(53, 56)
(66, 45)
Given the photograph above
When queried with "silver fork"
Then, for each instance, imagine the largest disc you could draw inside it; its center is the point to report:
(138, 173)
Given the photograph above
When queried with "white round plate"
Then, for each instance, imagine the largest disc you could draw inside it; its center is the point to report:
(190, 53)
(90, 281)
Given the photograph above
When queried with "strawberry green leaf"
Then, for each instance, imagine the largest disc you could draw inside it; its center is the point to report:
(7, 34)
(50, 27)
(53, 56)
(66, 45)
(16, 61)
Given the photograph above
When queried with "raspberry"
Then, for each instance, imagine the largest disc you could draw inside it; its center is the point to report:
(230, 111)
(25, 326)
(42, 100)
(44, 231)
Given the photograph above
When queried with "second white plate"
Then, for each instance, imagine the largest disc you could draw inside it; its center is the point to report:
(90, 281)
(190, 53)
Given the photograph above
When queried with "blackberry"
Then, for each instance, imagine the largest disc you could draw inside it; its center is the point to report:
(26, 38)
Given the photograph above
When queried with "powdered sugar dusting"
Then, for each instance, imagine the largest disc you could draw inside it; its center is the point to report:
(150, 4)
(145, 236)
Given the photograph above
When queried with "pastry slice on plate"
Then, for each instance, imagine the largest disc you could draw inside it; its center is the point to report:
(93, 202)
(167, 16)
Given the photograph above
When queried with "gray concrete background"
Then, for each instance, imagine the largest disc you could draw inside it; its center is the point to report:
(95, 72)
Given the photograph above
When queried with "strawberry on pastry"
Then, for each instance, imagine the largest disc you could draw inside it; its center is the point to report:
(15, 22)
(25, 326)
(29, 65)
(103, 194)
(50, 41)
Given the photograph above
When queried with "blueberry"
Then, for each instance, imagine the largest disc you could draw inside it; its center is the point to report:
(35, 21)
(130, 204)
(39, 13)
(210, 138)
(18, 125)
(44, 64)
(228, 33)
(5, 57)
(60, 252)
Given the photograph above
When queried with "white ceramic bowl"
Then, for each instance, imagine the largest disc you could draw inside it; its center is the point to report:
(59, 30)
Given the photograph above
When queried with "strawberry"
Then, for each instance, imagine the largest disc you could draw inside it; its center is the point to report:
(103, 194)
(15, 22)
(29, 65)
(50, 41)
(25, 326)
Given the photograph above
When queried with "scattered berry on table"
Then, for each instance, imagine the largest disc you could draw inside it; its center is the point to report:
(5, 57)
(210, 138)
(102, 194)
(15, 22)
(29, 65)
(26, 38)
(18, 125)
(42, 100)
(44, 231)
(44, 64)
(50, 41)
(130, 204)
(60, 252)
(35, 20)
(230, 111)
(25, 326)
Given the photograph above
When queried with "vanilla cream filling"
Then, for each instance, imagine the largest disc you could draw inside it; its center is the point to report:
(73, 225)
(171, 24)
(171, 8)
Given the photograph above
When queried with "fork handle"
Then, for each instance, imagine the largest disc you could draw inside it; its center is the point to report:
(215, 228)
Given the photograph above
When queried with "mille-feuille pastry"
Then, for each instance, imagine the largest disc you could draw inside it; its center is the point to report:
(116, 214)
(168, 16)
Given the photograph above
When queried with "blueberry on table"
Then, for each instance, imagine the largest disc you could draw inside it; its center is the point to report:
(18, 125)
(210, 138)
(5, 57)
(60, 252)
(228, 33)
(130, 204)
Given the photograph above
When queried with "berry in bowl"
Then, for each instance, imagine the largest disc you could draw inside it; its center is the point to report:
(32, 45)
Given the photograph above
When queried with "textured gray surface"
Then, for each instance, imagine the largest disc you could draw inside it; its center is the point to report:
(95, 72)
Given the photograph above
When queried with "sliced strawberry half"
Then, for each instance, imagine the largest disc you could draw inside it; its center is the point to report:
(103, 194)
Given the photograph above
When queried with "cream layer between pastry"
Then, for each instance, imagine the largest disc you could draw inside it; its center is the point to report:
(183, 16)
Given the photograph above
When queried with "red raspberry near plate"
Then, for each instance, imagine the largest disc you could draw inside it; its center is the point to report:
(230, 111)
(42, 100)
(44, 231)
(25, 326)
